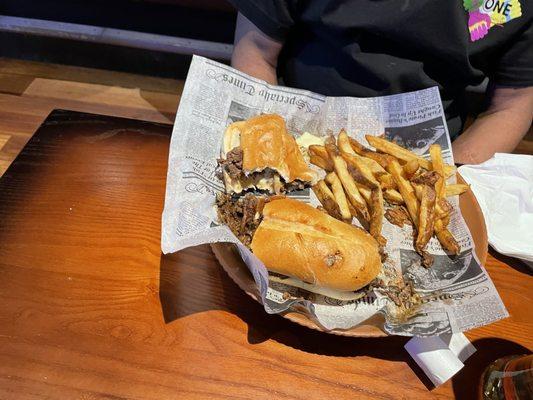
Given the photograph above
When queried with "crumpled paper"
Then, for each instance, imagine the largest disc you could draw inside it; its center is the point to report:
(503, 187)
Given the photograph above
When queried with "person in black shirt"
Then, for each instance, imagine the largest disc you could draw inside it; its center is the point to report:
(368, 48)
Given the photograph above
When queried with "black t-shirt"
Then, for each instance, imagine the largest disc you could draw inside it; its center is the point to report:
(369, 48)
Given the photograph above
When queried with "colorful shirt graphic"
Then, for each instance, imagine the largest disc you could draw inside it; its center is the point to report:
(484, 14)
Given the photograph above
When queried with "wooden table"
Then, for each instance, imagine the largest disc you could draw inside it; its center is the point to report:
(90, 309)
(30, 90)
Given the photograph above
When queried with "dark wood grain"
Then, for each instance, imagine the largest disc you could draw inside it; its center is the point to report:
(89, 309)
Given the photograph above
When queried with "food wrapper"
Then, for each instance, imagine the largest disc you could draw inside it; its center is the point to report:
(455, 294)
(440, 357)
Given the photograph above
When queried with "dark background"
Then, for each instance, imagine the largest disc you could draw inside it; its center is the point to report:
(209, 20)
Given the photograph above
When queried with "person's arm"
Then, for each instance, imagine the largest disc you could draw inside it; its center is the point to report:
(499, 129)
(255, 53)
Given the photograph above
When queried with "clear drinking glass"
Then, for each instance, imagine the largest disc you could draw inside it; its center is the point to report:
(509, 378)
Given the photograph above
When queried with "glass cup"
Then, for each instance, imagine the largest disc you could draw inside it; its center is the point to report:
(508, 378)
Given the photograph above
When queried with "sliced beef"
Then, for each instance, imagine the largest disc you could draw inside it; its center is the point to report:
(402, 294)
(242, 215)
(232, 164)
(296, 185)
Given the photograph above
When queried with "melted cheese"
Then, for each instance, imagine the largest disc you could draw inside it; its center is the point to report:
(308, 139)
(334, 294)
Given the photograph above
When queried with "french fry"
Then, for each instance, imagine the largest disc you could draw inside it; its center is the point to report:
(398, 215)
(377, 212)
(427, 259)
(438, 166)
(374, 166)
(359, 148)
(455, 190)
(422, 178)
(356, 170)
(387, 181)
(406, 190)
(381, 159)
(393, 196)
(343, 142)
(426, 178)
(447, 241)
(441, 214)
(410, 168)
(365, 192)
(353, 211)
(443, 208)
(327, 199)
(318, 150)
(439, 226)
(445, 220)
(449, 170)
(375, 198)
(356, 162)
(338, 193)
(446, 238)
(324, 163)
(347, 181)
(397, 151)
(403, 154)
(418, 190)
(426, 217)
(359, 178)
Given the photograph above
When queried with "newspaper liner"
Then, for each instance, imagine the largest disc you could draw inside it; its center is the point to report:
(457, 291)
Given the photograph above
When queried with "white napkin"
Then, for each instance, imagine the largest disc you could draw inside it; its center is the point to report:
(440, 357)
(503, 187)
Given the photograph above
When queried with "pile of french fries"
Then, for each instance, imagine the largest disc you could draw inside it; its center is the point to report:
(359, 181)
